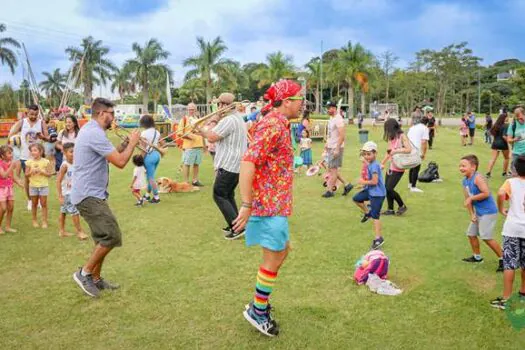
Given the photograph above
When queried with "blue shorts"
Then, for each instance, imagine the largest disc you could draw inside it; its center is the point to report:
(192, 156)
(270, 232)
(68, 207)
(375, 203)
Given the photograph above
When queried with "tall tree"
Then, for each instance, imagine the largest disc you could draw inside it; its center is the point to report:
(354, 62)
(388, 61)
(313, 79)
(7, 55)
(207, 64)
(123, 82)
(8, 101)
(146, 61)
(278, 66)
(53, 86)
(95, 69)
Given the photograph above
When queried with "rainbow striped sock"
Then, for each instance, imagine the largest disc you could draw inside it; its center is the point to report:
(263, 289)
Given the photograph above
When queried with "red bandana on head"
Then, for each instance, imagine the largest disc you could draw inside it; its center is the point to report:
(280, 91)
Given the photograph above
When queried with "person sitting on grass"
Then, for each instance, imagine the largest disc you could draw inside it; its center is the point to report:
(138, 179)
(374, 192)
(513, 190)
(482, 209)
(64, 177)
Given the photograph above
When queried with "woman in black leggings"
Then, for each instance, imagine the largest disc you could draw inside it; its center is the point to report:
(397, 143)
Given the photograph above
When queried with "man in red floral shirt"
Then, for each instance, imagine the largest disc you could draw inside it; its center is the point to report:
(266, 191)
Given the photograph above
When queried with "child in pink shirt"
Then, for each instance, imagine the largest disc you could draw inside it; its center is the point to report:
(7, 196)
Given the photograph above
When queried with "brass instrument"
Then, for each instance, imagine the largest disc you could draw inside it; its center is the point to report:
(197, 124)
(119, 130)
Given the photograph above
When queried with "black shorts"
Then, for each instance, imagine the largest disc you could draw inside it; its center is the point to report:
(102, 223)
(513, 253)
(472, 131)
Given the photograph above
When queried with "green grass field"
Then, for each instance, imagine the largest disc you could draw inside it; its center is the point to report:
(184, 286)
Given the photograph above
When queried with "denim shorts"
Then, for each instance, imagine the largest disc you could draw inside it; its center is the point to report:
(68, 207)
(193, 156)
(375, 203)
(270, 232)
(38, 191)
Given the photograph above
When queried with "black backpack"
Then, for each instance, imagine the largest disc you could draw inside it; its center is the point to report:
(430, 174)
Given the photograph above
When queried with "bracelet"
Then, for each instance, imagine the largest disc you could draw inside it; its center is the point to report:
(246, 205)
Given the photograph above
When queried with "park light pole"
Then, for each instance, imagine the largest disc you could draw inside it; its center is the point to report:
(321, 82)
(479, 90)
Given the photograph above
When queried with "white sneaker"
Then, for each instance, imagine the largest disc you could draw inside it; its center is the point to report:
(437, 180)
(388, 288)
(409, 186)
(29, 205)
(373, 282)
(416, 190)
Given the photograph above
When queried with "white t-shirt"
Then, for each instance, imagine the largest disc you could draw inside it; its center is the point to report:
(68, 177)
(514, 225)
(417, 133)
(333, 131)
(305, 143)
(152, 136)
(29, 136)
(69, 138)
(140, 173)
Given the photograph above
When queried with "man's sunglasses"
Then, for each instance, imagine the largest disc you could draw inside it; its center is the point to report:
(295, 98)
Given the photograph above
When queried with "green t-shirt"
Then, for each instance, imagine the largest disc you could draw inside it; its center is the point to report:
(519, 146)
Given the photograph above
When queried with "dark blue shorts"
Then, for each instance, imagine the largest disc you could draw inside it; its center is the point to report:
(375, 203)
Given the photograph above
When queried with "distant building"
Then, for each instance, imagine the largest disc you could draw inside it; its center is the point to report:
(506, 75)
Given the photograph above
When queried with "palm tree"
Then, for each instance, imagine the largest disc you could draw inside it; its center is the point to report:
(208, 64)
(7, 55)
(354, 62)
(123, 83)
(95, 68)
(53, 85)
(146, 60)
(313, 78)
(278, 67)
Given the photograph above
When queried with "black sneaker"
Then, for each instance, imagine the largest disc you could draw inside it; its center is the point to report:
(388, 212)
(146, 198)
(401, 210)
(264, 323)
(348, 188)
(155, 201)
(86, 284)
(487, 175)
(103, 284)
(365, 218)
(376, 243)
(472, 259)
(500, 266)
(227, 230)
(499, 303)
(328, 194)
(197, 184)
(139, 203)
(234, 235)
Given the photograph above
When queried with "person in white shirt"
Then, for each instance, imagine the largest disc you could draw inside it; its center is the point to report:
(150, 137)
(418, 134)
(139, 174)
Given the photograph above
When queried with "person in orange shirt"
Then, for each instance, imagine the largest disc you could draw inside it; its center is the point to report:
(192, 145)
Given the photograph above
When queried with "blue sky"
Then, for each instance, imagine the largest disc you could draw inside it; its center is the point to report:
(254, 28)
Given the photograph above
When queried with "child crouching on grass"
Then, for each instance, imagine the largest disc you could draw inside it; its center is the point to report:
(482, 209)
(513, 190)
(374, 192)
(139, 174)
(38, 171)
(8, 167)
(64, 177)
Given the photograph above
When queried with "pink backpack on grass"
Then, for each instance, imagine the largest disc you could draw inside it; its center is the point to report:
(376, 262)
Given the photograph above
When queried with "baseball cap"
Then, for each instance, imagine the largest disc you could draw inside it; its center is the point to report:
(331, 104)
(369, 146)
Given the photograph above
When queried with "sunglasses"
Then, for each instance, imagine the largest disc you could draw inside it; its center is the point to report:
(112, 112)
(295, 98)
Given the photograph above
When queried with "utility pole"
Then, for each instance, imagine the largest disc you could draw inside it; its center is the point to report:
(321, 80)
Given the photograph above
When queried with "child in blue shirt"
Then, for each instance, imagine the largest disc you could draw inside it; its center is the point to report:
(482, 209)
(374, 192)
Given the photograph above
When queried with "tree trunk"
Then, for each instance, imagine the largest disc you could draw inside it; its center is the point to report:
(317, 100)
(88, 91)
(363, 102)
(350, 100)
(145, 94)
(387, 87)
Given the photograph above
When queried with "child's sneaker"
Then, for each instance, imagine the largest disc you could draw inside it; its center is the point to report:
(376, 243)
(500, 266)
(139, 203)
(146, 198)
(473, 259)
(365, 218)
(499, 303)
(348, 188)
(264, 324)
(155, 201)
(328, 194)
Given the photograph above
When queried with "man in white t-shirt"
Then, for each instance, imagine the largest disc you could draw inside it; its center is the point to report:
(418, 134)
(334, 148)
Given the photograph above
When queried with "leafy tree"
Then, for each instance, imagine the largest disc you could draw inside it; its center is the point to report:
(123, 82)
(278, 66)
(7, 55)
(95, 68)
(8, 101)
(388, 61)
(53, 86)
